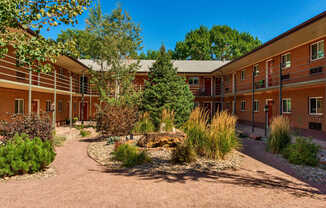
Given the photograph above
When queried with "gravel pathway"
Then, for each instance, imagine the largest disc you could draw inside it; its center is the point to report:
(81, 182)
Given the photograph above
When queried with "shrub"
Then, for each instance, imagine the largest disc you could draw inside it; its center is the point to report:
(116, 120)
(33, 125)
(84, 133)
(167, 120)
(196, 130)
(222, 136)
(184, 153)
(145, 125)
(279, 137)
(302, 152)
(22, 155)
(130, 156)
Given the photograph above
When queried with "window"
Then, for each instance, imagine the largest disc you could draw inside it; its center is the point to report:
(256, 70)
(243, 75)
(48, 106)
(317, 50)
(286, 60)
(256, 106)
(60, 106)
(243, 105)
(316, 106)
(286, 105)
(193, 81)
(19, 106)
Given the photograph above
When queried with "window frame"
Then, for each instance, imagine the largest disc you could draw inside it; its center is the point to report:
(243, 75)
(317, 43)
(284, 65)
(192, 84)
(46, 105)
(18, 110)
(256, 104)
(245, 103)
(314, 114)
(286, 112)
(60, 110)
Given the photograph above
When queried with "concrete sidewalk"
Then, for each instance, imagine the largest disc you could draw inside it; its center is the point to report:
(260, 132)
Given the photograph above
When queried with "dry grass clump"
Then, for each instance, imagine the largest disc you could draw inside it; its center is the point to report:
(167, 120)
(279, 137)
(144, 125)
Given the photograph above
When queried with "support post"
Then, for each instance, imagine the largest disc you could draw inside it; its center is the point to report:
(281, 88)
(222, 93)
(30, 92)
(55, 100)
(253, 101)
(82, 101)
(234, 94)
(70, 104)
(90, 101)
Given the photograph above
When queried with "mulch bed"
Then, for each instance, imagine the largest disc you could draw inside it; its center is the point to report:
(100, 152)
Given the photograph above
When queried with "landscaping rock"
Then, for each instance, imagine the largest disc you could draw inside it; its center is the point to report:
(153, 140)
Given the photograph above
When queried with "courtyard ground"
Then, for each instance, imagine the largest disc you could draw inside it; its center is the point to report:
(81, 182)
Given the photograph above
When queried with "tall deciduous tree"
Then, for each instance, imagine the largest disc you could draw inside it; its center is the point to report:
(166, 90)
(34, 51)
(218, 43)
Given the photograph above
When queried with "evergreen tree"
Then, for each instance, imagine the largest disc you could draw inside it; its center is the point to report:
(166, 90)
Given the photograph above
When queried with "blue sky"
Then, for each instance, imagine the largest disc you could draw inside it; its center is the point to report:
(168, 21)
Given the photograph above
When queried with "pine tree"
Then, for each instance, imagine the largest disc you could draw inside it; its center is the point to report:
(166, 90)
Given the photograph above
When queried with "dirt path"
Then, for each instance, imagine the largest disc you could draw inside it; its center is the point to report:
(81, 182)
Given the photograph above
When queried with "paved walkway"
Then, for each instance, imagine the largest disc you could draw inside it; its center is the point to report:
(81, 182)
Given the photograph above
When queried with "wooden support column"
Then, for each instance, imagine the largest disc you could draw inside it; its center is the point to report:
(70, 104)
(253, 101)
(54, 115)
(30, 92)
(82, 101)
(234, 93)
(222, 93)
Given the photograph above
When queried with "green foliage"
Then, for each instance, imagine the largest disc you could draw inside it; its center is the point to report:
(302, 152)
(279, 137)
(33, 125)
(130, 155)
(218, 43)
(84, 133)
(34, 51)
(23, 155)
(166, 90)
(144, 125)
(184, 153)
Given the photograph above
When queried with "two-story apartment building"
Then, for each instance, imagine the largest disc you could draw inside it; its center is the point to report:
(58, 93)
(286, 75)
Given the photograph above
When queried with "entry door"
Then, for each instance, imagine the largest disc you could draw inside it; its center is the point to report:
(84, 109)
(35, 106)
(270, 111)
(207, 87)
(269, 73)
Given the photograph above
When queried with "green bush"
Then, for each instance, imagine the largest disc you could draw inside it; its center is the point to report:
(302, 152)
(84, 133)
(184, 153)
(22, 155)
(130, 156)
(279, 137)
(145, 125)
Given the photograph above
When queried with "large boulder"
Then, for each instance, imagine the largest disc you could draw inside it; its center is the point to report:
(153, 140)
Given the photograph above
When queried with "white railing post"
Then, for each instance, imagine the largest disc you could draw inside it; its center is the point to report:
(55, 99)
(30, 92)
(70, 104)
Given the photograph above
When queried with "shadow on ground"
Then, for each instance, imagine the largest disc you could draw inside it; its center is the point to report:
(256, 150)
